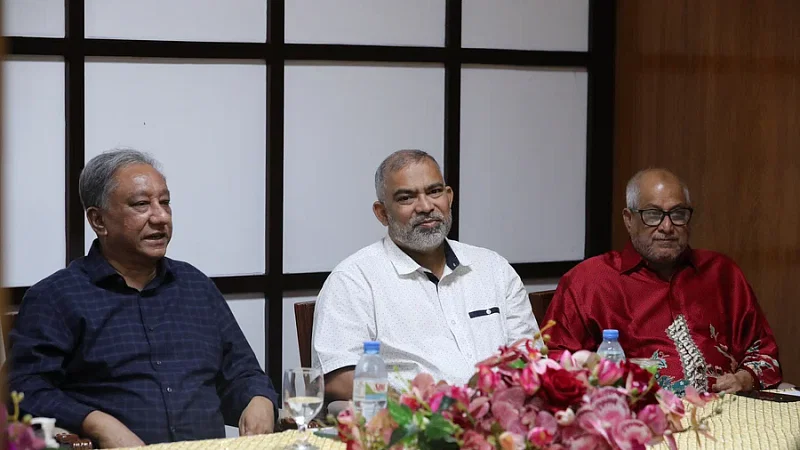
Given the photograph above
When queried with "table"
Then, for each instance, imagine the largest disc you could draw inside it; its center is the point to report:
(748, 424)
(745, 424)
(262, 442)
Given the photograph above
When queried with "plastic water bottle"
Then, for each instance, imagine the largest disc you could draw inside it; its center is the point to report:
(370, 382)
(610, 348)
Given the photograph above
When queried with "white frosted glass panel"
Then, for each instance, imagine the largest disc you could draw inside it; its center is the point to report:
(206, 124)
(291, 351)
(376, 22)
(178, 20)
(41, 18)
(523, 162)
(526, 24)
(33, 243)
(249, 311)
(340, 123)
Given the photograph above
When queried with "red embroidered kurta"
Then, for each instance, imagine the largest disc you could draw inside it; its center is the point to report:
(702, 323)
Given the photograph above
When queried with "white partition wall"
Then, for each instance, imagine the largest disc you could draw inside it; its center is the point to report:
(523, 162)
(270, 118)
(210, 137)
(340, 123)
(33, 170)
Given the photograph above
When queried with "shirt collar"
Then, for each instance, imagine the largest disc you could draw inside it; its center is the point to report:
(100, 270)
(631, 259)
(404, 264)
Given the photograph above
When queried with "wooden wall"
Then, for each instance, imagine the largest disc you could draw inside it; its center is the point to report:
(711, 90)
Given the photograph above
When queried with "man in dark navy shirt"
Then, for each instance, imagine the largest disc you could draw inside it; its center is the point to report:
(126, 346)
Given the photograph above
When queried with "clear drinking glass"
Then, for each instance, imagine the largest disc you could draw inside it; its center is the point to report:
(303, 394)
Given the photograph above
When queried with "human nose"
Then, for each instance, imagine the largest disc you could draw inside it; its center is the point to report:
(424, 204)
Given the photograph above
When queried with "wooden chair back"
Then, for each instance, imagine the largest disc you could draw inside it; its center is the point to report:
(539, 303)
(304, 319)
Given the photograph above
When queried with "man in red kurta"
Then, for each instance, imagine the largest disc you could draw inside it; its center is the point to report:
(692, 310)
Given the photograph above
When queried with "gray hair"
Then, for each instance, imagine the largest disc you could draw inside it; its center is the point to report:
(632, 191)
(394, 162)
(97, 177)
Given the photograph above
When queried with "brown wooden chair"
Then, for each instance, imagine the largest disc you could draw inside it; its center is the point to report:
(304, 319)
(539, 303)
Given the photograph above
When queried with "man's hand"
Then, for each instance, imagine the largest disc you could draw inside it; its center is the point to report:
(108, 431)
(257, 418)
(734, 382)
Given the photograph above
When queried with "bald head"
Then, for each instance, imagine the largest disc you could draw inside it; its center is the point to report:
(651, 183)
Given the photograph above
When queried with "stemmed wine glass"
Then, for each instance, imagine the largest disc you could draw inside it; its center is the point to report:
(303, 394)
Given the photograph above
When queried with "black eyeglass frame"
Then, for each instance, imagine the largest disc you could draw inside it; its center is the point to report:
(664, 214)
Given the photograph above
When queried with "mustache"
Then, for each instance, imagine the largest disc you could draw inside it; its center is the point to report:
(422, 218)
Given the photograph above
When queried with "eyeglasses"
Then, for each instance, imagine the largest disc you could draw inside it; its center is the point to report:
(653, 217)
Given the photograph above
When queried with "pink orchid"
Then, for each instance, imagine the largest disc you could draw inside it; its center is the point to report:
(528, 379)
(423, 385)
(631, 434)
(670, 404)
(653, 417)
(488, 379)
(576, 361)
(479, 407)
(475, 441)
(511, 441)
(588, 442)
(540, 366)
(608, 373)
(545, 430)
(699, 399)
(382, 425)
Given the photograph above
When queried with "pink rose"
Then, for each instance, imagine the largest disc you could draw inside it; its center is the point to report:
(561, 389)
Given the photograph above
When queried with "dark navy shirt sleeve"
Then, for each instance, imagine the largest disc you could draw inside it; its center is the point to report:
(240, 378)
(42, 345)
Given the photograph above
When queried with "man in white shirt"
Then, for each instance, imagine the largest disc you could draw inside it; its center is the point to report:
(436, 305)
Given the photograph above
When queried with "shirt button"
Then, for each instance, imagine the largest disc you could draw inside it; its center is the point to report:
(488, 311)
(172, 429)
(158, 363)
(150, 328)
(169, 389)
(452, 322)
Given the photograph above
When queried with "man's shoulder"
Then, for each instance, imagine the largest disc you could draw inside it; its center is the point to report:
(704, 259)
(606, 264)
(60, 280)
(185, 269)
(476, 254)
(365, 257)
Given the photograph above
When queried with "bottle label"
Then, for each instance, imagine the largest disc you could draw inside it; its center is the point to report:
(370, 391)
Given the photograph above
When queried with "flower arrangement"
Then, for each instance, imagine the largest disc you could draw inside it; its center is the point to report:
(19, 431)
(520, 399)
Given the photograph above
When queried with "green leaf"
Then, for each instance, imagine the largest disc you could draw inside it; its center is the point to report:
(517, 364)
(400, 413)
(447, 402)
(439, 428)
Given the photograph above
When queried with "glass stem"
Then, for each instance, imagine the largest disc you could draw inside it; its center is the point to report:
(301, 428)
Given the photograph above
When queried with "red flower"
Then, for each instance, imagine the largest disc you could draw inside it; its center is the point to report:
(561, 389)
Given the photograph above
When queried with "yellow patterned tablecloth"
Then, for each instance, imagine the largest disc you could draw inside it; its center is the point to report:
(262, 442)
(745, 424)
(748, 424)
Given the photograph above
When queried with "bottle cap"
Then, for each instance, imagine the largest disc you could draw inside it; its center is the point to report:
(372, 347)
(610, 334)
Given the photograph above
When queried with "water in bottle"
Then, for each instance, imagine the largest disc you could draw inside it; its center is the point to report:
(370, 381)
(610, 348)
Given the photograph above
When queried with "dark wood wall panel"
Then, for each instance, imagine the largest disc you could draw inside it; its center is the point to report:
(711, 90)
